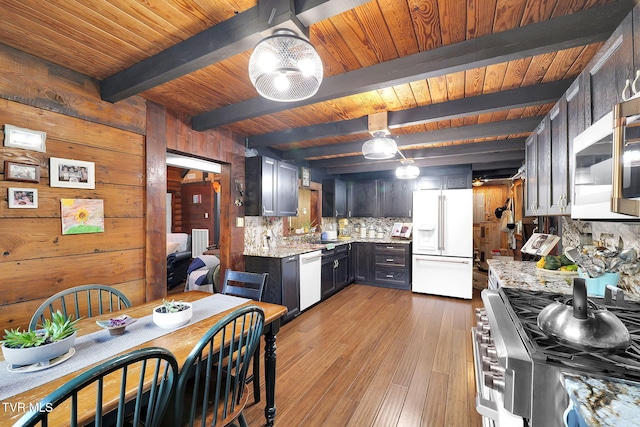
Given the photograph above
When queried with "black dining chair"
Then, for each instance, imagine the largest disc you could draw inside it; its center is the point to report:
(248, 285)
(138, 384)
(211, 389)
(81, 301)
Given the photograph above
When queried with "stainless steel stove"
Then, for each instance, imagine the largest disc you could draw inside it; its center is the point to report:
(519, 368)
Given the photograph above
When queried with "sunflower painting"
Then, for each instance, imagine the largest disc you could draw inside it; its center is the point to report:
(80, 216)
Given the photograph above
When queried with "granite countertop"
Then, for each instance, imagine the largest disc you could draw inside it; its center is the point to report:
(599, 401)
(602, 402)
(297, 248)
(525, 275)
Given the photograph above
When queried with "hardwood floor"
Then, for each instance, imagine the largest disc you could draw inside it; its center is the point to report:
(372, 356)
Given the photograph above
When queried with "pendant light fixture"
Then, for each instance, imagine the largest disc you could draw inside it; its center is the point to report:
(285, 67)
(381, 146)
(408, 170)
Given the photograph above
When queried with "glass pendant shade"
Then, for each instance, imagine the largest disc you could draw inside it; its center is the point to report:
(379, 148)
(407, 171)
(286, 68)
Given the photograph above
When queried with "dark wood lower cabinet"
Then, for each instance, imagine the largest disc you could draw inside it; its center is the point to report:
(383, 264)
(336, 269)
(283, 286)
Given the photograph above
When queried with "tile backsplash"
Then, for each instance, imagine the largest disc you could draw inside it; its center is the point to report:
(258, 227)
(612, 235)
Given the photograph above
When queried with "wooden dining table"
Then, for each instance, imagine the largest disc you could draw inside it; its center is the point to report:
(180, 342)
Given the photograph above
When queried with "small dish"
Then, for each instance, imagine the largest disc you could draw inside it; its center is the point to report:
(40, 366)
(116, 325)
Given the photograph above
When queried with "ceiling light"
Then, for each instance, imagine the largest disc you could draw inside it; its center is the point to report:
(408, 170)
(284, 67)
(192, 163)
(477, 182)
(379, 147)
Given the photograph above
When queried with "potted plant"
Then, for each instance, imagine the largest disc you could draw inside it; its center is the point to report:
(55, 338)
(172, 314)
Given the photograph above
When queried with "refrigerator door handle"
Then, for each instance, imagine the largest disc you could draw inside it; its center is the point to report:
(450, 261)
(441, 201)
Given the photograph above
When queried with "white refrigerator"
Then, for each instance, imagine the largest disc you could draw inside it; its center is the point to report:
(442, 259)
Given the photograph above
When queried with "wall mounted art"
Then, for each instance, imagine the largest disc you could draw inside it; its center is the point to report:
(81, 216)
(14, 171)
(23, 198)
(24, 138)
(71, 173)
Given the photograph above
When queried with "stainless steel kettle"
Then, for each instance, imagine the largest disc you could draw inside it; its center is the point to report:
(580, 323)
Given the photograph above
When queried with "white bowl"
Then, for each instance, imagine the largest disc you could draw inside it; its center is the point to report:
(40, 354)
(172, 320)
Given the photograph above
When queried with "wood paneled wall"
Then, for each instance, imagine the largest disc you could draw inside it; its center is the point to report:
(37, 260)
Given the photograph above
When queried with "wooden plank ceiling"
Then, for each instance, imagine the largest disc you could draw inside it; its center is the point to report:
(464, 81)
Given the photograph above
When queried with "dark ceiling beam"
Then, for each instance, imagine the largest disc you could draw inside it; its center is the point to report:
(578, 29)
(517, 156)
(498, 146)
(484, 130)
(224, 40)
(521, 97)
(311, 11)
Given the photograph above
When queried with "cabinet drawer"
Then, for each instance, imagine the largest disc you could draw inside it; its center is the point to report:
(394, 276)
(394, 260)
(390, 248)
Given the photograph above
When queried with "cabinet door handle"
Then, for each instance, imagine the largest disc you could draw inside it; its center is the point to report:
(389, 259)
(390, 276)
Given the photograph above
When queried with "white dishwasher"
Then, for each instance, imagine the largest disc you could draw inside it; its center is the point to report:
(310, 264)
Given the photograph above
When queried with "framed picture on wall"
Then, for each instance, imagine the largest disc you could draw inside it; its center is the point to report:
(306, 177)
(71, 173)
(23, 198)
(24, 138)
(14, 171)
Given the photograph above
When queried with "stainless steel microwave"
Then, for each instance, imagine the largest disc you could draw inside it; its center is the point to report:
(602, 180)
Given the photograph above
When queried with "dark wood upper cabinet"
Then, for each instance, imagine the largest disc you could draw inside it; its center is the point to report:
(271, 187)
(396, 198)
(362, 199)
(334, 198)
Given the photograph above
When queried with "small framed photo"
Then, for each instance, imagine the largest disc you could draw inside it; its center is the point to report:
(306, 177)
(24, 138)
(23, 198)
(14, 171)
(71, 173)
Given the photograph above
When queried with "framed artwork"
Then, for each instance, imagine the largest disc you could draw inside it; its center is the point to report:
(14, 171)
(24, 138)
(23, 198)
(306, 177)
(71, 173)
(82, 216)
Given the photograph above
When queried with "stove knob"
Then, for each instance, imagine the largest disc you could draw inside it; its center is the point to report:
(488, 379)
(497, 370)
(482, 311)
(484, 349)
(498, 384)
(486, 328)
(486, 363)
(486, 338)
(492, 352)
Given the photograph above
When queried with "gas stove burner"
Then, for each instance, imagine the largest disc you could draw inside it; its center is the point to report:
(524, 307)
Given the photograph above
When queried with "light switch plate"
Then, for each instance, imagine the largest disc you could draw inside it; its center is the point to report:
(240, 222)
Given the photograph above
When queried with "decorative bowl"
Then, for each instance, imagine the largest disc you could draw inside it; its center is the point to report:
(116, 325)
(41, 354)
(172, 320)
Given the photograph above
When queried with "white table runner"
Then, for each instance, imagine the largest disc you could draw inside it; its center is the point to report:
(87, 352)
